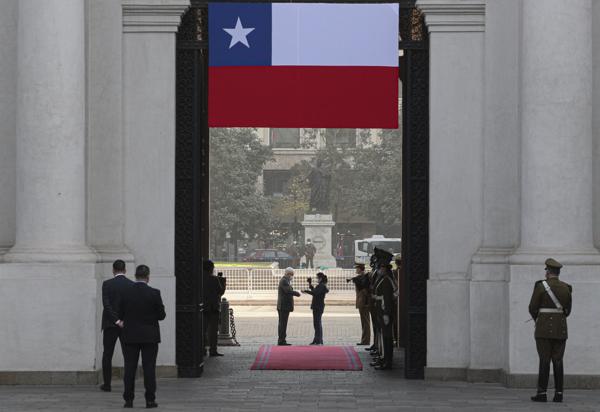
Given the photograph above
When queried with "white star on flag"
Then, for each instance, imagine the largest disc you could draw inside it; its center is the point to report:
(238, 34)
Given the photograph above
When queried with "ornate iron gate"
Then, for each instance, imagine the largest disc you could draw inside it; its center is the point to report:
(414, 73)
(191, 186)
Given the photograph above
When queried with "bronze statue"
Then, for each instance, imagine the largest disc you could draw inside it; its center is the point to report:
(319, 179)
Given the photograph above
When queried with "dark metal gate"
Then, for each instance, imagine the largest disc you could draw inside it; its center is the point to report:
(414, 73)
(191, 188)
(191, 185)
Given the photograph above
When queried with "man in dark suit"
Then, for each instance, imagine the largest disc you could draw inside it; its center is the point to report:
(285, 304)
(140, 310)
(213, 289)
(112, 290)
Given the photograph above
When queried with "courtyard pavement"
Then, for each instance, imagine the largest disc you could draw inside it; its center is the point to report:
(229, 385)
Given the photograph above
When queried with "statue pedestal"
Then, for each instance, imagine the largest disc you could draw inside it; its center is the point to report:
(317, 228)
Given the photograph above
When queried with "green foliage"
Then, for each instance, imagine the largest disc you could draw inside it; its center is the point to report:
(294, 204)
(377, 179)
(366, 183)
(237, 159)
(366, 180)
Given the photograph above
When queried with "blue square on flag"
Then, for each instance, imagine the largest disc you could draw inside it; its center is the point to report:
(240, 34)
(303, 65)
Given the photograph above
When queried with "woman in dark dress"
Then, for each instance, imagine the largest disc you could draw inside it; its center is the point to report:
(318, 305)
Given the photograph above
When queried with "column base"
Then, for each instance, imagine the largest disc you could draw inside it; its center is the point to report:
(581, 269)
(19, 254)
(3, 250)
(510, 380)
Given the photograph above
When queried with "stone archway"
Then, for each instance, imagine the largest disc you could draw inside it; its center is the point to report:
(191, 184)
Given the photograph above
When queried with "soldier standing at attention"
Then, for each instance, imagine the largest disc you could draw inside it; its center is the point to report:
(549, 307)
(361, 284)
(384, 290)
(400, 307)
(372, 274)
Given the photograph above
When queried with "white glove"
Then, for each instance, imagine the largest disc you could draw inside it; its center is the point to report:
(386, 320)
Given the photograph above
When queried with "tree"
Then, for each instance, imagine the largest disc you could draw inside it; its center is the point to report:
(377, 183)
(237, 159)
(367, 177)
(294, 203)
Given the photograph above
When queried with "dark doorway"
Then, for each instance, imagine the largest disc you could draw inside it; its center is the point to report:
(191, 185)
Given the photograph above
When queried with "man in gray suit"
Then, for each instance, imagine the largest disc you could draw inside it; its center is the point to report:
(285, 304)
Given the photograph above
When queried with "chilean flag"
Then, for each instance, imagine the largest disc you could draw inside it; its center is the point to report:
(314, 65)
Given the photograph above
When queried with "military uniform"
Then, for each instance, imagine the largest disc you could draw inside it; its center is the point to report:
(371, 306)
(550, 328)
(384, 290)
(400, 310)
(361, 283)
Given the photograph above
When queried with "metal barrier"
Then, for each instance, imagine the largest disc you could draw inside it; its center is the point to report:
(256, 282)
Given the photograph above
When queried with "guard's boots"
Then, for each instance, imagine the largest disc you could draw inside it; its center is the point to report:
(558, 380)
(543, 376)
(540, 397)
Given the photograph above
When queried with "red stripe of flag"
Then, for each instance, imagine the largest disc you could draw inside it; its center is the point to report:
(303, 96)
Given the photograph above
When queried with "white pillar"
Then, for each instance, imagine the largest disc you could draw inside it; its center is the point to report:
(556, 175)
(149, 35)
(556, 127)
(51, 133)
(456, 62)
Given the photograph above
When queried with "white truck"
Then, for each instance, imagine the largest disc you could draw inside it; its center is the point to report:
(363, 248)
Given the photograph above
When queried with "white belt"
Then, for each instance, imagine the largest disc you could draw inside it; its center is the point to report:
(550, 310)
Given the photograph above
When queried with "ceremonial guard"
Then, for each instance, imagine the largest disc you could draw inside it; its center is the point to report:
(400, 309)
(361, 284)
(383, 297)
(385, 304)
(549, 307)
(372, 274)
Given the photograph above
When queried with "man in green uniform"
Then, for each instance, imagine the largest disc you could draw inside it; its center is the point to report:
(549, 307)
(361, 284)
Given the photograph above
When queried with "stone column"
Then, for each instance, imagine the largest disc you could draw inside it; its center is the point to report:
(556, 172)
(51, 133)
(456, 50)
(556, 127)
(149, 40)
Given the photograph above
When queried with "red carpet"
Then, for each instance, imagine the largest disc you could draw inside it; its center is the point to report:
(342, 358)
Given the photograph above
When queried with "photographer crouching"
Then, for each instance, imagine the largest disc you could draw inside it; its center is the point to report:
(318, 304)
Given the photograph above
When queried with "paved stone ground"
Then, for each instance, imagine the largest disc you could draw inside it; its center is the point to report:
(229, 385)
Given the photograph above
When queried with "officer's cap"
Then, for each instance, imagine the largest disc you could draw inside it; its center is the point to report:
(551, 263)
(383, 256)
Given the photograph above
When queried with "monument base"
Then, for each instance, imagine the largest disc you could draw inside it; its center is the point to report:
(317, 228)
